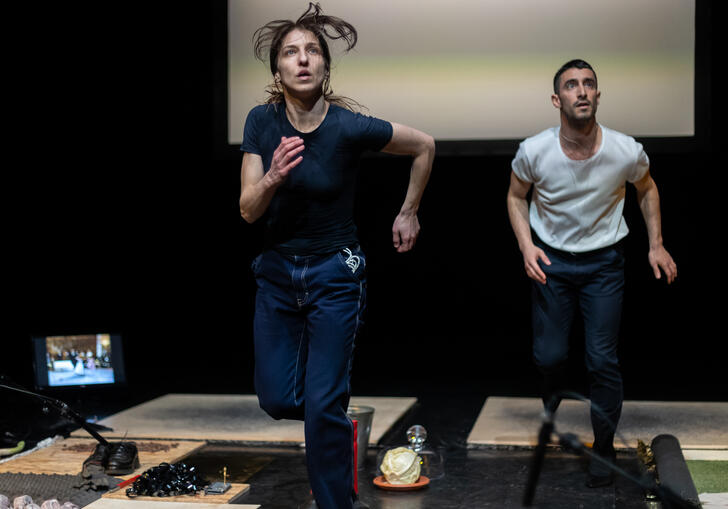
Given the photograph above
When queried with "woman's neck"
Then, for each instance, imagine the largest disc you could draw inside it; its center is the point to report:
(305, 114)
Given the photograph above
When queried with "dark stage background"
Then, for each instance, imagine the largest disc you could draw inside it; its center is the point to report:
(124, 218)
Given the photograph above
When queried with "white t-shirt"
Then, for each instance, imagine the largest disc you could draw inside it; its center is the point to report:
(576, 206)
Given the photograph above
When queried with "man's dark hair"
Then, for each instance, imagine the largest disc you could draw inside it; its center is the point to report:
(267, 41)
(571, 64)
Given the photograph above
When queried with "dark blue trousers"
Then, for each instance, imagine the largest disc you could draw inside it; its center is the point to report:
(592, 284)
(308, 310)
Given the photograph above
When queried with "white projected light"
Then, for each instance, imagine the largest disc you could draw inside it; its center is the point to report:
(483, 69)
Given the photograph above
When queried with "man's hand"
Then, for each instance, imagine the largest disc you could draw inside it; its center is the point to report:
(281, 163)
(531, 256)
(649, 200)
(405, 230)
(660, 259)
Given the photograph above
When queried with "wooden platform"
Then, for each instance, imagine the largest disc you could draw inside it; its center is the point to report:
(235, 491)
(111, 503)
(232, 417)
(67, 456)
(516, 422)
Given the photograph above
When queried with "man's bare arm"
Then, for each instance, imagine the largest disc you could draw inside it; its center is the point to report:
(649, 201)
(518, 214)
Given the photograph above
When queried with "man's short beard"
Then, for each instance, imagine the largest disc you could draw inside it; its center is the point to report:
(580, 121)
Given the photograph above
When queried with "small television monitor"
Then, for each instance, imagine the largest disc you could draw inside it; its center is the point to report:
(81, 360)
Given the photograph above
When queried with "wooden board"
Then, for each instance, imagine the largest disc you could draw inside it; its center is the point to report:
(231, 417)
(112, 503)
(235, 491)
(516, 421)
(66, 457)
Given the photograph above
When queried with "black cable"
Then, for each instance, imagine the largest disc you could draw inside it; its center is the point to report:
(62, 407)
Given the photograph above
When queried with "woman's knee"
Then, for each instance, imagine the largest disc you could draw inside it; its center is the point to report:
(280, 407)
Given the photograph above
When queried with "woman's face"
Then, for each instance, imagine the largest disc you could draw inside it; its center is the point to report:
(301, 63)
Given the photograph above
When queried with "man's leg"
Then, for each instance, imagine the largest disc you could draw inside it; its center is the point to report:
(552, 312)
(601, 305)
(338, 295)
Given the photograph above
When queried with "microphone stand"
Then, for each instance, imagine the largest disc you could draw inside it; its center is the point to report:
(64, 410)
(544, 437)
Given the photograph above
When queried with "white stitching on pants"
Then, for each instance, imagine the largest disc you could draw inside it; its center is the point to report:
(356, 327)
(303, 278)
(302, 300)
(298, 358)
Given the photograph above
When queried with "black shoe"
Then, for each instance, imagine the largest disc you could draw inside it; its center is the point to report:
(123, 459)
(96, 463)
(600, 472)
(358, 504)
(308, 504)
(599, 481)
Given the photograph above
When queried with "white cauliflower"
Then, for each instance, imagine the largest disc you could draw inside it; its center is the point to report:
(401, 466)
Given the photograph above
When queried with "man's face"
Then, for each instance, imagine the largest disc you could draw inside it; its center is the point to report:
(578, 96)
(301, 64)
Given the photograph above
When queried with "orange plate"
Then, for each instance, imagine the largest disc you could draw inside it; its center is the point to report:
(381, 482)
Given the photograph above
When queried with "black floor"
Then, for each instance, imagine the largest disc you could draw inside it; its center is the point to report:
(474, 478)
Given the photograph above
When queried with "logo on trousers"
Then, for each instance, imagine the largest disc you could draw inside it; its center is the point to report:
(352, 260)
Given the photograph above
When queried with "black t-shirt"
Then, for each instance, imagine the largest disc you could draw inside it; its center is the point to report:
(312, 211)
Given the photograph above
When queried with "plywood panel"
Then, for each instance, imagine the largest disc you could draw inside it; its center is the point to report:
(516, 421)
(233, 417)
(235, 491)
(67, 456)
(111, 503)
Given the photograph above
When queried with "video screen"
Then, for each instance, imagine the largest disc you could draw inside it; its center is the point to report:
(483, 69)
(78, 360)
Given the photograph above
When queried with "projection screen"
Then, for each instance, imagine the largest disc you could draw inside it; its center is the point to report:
(483, 69)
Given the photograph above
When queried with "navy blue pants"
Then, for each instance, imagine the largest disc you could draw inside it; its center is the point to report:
(592, 284)
(308, 310)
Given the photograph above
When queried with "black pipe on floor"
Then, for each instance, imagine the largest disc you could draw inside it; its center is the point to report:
(672, 471)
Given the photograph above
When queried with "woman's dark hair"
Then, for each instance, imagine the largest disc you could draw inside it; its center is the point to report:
(267, 41)
(571, 64)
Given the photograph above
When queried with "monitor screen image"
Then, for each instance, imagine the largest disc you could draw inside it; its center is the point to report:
(78, 360)
(483, 69)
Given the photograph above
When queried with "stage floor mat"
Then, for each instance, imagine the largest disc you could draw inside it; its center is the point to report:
(230, 417)
(516, 422)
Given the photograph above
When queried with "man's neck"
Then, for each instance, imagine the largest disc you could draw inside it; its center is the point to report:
(306, 114)
(580, 140)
